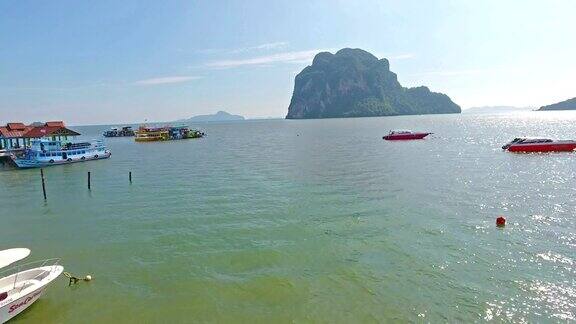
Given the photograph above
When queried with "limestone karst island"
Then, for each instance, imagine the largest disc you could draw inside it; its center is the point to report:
(355, 83)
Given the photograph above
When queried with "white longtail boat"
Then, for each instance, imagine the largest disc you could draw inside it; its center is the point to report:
(22, 285)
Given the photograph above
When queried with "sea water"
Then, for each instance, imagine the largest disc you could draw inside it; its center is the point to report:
(308, 221)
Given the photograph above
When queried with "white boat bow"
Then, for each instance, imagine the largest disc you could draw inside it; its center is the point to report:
(22, 285)
(7, 257)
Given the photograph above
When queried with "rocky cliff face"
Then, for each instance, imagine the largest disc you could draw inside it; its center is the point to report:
(569, 104)
(354, 83)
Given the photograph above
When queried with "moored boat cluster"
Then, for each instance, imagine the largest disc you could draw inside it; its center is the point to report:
(125, 131)
(166, 133)
(52, 143)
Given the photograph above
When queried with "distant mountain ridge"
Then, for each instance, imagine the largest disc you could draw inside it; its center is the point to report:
(219, 116)
(354, 83)
(569, 104)
(494, 109)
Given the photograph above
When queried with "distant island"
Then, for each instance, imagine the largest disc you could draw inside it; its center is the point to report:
(217, 117)
(494, 109)
(355, 83)
(569, 104)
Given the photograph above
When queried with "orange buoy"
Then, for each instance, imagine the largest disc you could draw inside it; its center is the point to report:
(500, 221)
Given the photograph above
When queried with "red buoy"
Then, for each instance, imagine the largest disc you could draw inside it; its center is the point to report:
(500, 221)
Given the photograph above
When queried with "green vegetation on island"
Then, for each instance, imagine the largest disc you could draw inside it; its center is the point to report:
(354, 83)
(569, 104)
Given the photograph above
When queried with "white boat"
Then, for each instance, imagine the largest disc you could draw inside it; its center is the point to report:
(22, 285)
(42, 153)
(115, 132)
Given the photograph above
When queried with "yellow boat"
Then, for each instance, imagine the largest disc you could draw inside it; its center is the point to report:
(167, 133)
(148, 134)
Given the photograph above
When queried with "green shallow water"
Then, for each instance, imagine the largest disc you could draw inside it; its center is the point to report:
(308, 221)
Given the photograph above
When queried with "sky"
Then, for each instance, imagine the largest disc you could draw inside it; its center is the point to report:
(110, 61)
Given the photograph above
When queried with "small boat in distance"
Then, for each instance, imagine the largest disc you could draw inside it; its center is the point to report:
(167, 133)
(529, 145)
(22, 285)
(45, 152)
(125, 131)
(395, 135)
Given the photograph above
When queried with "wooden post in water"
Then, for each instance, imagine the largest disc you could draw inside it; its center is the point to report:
(130, 176)
(89, 186)
(43, 183)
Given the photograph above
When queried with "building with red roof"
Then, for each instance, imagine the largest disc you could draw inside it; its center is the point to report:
(50, 131)
(55, 124)
(13, 130)
(17, 136)
(16, 126)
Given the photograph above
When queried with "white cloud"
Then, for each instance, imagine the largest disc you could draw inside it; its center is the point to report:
(273, 46)
(262, 47)
(394, 57)
(297, 57)
(166, 80)
(401, 56)
(286, 57)
(454, 72)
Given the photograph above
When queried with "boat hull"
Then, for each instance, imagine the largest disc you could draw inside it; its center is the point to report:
(543, 147)
(404, 137)
(149, 139)
(109, 136)
(19, 301)
(16, 307)
(27, 164)
(162, 139)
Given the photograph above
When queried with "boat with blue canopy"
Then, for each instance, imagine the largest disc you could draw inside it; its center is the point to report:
(44, 152)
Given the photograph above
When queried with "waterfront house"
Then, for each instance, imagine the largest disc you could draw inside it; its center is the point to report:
(17, 136)
(55, 130)
(12, 136)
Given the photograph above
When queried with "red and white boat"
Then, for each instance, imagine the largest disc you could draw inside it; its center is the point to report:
(528, 145)
(22, 285)
(395, 135)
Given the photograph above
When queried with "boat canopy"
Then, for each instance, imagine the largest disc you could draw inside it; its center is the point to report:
(530, 140)
(7, 257)
(400, 131)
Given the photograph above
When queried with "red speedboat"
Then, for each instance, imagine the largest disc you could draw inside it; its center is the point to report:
(404, 135)
(539, 145)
